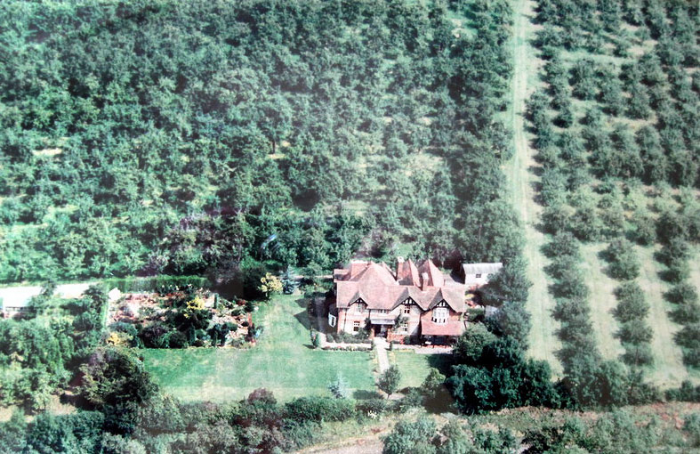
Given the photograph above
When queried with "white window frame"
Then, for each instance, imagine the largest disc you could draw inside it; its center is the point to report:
(355, 327)
(440, 315)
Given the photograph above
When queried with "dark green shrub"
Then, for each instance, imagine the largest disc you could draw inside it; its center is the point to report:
(177, 340)
(375, 406)
(683, 293)
(320, 409)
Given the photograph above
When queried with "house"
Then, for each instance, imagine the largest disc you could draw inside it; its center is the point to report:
(412, 300)
(475, 275)
(14, 308)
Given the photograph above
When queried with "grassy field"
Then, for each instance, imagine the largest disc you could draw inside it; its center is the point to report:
(415, 367)
(521, 181)
(668, 369)
(282, 361)
(602, 300)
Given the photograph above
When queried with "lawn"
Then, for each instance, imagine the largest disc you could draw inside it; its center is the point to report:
(415, 367)
(282, 361)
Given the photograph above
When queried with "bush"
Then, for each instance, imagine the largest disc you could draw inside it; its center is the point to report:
(320, 409)
(645, 230)
(155, 336)
(361, 337)
(692, 428)
(375, 406)
(685, 393)
(178, 340)
(413, 398)
(411, 437)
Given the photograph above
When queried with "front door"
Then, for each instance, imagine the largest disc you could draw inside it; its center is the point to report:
(380, 330)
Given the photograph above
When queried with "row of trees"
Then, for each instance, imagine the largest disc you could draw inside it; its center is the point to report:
(619, 432)
(635, 334)
(678, 231)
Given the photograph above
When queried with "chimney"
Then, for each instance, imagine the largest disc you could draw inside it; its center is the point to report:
(399, 268)
(423, 281)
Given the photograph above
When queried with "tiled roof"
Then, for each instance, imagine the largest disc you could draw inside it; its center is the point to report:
(451, 328)
(407, 273)
(435, 277)
(379, 288)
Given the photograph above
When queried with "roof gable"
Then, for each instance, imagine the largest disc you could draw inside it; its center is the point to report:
(381, 289)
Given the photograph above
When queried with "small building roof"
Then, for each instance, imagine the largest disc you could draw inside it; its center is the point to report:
(481, 268)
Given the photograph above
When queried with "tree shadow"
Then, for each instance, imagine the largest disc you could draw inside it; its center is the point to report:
(442, 402)
(443, 363)
(303, 318)
(670, 276)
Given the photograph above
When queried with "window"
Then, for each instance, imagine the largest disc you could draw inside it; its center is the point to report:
(478, 276)
(360, 308)
(355, 326)
(407, 309)
(402, 324)
(440, 315)
(380, 311)
(332, 319)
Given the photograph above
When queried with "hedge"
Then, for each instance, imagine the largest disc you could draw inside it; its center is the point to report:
(151, 284)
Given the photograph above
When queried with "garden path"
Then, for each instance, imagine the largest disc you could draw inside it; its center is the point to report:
(380, 346)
